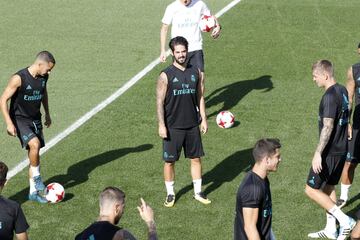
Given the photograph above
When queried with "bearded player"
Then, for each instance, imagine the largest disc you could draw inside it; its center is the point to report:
(180, 111)
(27, 92)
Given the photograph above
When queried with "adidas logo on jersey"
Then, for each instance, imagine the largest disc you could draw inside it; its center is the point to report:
(175, 80)
(28, 87)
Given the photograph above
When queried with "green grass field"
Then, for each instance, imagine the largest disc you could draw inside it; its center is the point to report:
(260, 69)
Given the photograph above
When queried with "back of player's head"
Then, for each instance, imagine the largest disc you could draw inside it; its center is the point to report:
(178, 41)
(324, 66)
(265, 147)
(3, 173)
(111, 195)
(46, 56)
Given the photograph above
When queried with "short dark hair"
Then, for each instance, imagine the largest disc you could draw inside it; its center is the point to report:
(359, 45)
(265, 147)
(324, 65)
(3, 173)
(178, 41)
(112, 194)
(46, 56)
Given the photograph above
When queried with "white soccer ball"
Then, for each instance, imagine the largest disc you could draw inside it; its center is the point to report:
(225, 119)
(55, 193)
(207, 23)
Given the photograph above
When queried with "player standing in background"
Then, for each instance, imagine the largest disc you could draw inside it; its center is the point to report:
(184, 16)
(12, 218)
(27, 91)
(330, 154)
(253, 201)
(353, 156)
(180, 111)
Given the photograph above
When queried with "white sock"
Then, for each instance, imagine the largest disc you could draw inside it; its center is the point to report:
(35, 170)
(330, 223)
(344, 191)
(32, 185)
(340, 216)
(197, 185)
(170, 187)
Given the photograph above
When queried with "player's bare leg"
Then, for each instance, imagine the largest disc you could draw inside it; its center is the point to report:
(347, 178)
(196, 172)
(355, 235)
(169, 177)
(36, 184)
(326, 198)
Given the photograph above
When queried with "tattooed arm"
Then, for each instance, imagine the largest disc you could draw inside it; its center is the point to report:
(324, 139)
(160, 98)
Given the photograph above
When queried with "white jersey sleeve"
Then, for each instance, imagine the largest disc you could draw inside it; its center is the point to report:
(168, 15)
(205, 10)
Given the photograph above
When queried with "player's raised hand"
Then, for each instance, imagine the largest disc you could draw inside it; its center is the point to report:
(162, 56)
(146, 212)
(349, 132)
(316, 163)
(204, 126)
(162, 131)
(47, 121)
(11, 130)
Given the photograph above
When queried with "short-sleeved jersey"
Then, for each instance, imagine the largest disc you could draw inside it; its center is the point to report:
(12, 219)
(356, 112)
(254, 192)
(26, 101)
(335, 104)
(185, 21)
(102, 230)
(181, 100)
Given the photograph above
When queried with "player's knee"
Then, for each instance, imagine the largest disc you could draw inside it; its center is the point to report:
(308, 191)
(196, 161)
(34, 144)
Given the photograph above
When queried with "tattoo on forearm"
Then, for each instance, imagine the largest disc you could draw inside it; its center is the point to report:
(152, 235)
(160, 97)
(325, 134)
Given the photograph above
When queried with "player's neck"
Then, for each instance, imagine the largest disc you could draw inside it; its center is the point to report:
(182, 67)
(260, 170)
(33, 71)
(106, 218)
(331, 83)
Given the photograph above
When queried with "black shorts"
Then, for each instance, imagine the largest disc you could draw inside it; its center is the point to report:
(189, 139)
(27, 130)
(330, 174)
(196, 58)
(353, 154)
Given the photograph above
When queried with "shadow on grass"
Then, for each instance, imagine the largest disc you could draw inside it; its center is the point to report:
(226, 171)
(79, 172)
(353, 211)
(230, 95)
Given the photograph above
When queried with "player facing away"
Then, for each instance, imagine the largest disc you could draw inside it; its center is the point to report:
(329, 157)
(184, 17)
(12, 218)
(180, 111)
(253, 201)
(112, 204)
(27, 91)
(353, 156)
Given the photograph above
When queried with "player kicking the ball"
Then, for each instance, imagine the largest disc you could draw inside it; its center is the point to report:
(180, 111)
(27, 91)
(184, 16)
(330, 154)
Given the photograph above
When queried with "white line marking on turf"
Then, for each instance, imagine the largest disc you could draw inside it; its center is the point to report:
(23, 164)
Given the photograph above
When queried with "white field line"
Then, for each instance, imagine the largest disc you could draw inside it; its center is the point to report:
(23, 164)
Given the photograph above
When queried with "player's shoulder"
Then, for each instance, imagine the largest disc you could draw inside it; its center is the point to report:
(252, 182)
(9, 204)
(172, 6)
(356, 65)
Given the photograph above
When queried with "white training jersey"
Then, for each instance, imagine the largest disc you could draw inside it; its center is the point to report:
(185, 21)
